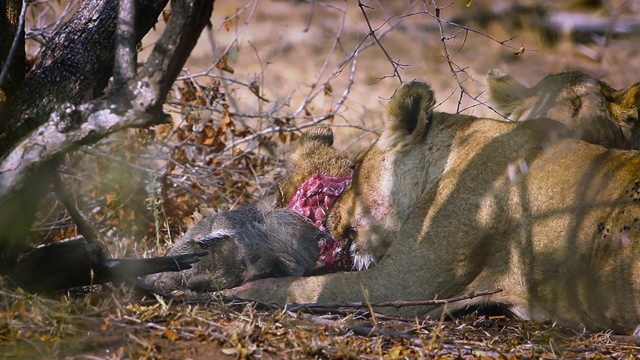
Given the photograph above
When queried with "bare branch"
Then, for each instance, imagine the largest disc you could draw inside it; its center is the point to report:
(124, 67)
(467, 29)
(88, 232)
(395, 304)
(315, 89)
(454, 68)
(173, 48)
(315, 120)
(81, 56)
(103, 117)
(141, 106)
(372, 33)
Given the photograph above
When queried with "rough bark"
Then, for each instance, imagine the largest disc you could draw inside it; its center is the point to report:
(51, 119)
(9, 19)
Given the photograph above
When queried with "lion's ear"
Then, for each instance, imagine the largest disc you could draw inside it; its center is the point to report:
(410, 110)
(626, 105)
(629, 97)
(320, 133)
(310, 141)
(505, 92)
(625, 108)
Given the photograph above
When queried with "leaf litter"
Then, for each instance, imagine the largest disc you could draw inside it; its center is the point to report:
(120, 324)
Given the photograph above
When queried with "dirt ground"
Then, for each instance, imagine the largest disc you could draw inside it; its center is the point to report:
(314, 58)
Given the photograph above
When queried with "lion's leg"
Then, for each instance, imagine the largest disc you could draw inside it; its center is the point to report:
(406, 273)
(323, 288)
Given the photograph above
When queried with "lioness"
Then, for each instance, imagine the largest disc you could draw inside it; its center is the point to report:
(445, 204)
(596, 112)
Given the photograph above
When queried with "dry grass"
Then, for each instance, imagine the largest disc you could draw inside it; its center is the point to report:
(116, 325)
(231, 134)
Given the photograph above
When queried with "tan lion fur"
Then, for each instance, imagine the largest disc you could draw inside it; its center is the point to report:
(593, 110)
(314, 154)
(445, 204)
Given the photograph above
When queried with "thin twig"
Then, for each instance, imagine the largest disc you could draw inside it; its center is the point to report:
(372, 33)
(253, 5)
(614, 15)
(466, 29)
(447, 57)
(454, 68)
(315, 89)
(85, 229)
(16, 40)
(314, 120)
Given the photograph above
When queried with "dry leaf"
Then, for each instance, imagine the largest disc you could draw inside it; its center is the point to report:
(222, 64)
(227, 23)
(520, 51)
(170, 334)
(255, 89)
(105, 325)
(328, 90)
(166, 15)
(230, 351)
(110, 198)
(226, 123)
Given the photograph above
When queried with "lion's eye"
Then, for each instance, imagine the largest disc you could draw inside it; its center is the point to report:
(631, 119)
(350, 233)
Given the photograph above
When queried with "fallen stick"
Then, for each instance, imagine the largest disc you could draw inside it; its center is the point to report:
(361, 330)
(396, 304)
(234, 300)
